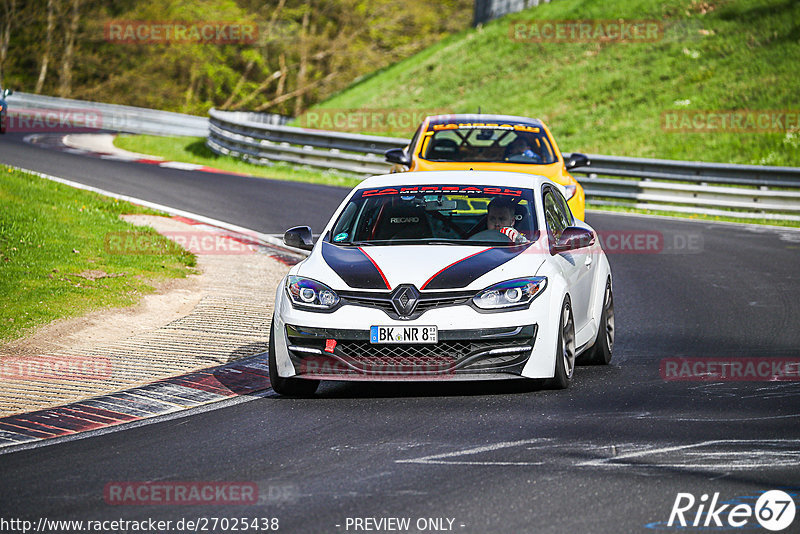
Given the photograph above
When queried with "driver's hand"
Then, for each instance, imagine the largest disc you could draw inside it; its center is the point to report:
(513, 235)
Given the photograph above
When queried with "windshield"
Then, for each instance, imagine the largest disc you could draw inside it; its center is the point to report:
(508, 144)
(436, 214)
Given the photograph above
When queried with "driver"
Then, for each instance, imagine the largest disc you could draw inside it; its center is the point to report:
(521, 147)
(500, 216)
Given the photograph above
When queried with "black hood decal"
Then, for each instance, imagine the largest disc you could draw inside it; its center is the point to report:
(465, 271)
(354, 266)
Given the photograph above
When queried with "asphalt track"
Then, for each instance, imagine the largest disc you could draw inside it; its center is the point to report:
(608, 455)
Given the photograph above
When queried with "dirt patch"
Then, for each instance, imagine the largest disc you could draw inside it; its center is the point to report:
(172, 299)
(214, 317)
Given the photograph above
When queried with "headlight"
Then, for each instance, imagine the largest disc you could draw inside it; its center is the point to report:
(569, 191)
(511, 293)
(308, 293)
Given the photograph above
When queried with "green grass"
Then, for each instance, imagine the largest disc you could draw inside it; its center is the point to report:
(51, 234)
(194, 150)
(608, 98)
(693, 216)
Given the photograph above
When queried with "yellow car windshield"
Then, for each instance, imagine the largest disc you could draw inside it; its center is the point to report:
(500, 145)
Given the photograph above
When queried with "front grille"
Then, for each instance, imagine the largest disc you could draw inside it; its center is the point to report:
(426, 304)
(451, 350)
(443, 354)
(426, 359)
(487, 350)
(383, 301)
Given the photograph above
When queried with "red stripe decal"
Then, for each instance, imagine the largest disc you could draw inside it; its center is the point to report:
(454, 263)
(21, 426)
(222, 171)
(102, 412)
(379, 269)
(184, 220)
(90, 417)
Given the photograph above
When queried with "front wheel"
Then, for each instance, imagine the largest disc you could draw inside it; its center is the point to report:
(600, 353)
(565, 350)
(292, 387)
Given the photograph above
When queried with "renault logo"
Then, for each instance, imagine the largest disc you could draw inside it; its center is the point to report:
(405, 299)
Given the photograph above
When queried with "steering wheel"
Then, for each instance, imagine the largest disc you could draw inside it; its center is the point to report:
(450, 224)
(490, 235)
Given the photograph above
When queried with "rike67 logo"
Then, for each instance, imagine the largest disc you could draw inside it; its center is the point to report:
(774, 510)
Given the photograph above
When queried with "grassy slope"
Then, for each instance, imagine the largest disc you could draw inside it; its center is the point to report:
(607, 98)
(50, 234)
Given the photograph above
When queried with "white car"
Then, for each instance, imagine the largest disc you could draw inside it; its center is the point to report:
(444, 275)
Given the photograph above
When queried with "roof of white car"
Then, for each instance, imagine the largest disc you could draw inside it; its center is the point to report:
(460, 177)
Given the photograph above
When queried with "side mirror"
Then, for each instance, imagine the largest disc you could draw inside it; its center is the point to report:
(397, 155)
(299, 237)
(7, 92)
(573, 238)
(577, 160)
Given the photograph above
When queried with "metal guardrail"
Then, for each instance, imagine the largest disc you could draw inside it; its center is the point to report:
(486, 10)
(242, 135)
(745, 191)
(112, 117)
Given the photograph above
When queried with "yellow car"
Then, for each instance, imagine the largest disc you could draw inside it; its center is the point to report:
(491, 143)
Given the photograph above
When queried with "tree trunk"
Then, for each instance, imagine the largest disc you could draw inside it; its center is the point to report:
(48, 45)
(250, 64)
(65, 82)
(301, 73)
(297, 92)
(9, 13)
(284, 74)
(239, 85)
(266, 83)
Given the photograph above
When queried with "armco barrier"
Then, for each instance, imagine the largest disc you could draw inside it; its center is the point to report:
(109, 116)
(745, 191)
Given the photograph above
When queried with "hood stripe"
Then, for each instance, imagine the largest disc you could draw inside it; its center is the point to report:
(354, 266)
(463, 272)
(385, 281)
(458, 261)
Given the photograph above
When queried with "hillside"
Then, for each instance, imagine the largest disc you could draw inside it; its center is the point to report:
(612, 97)
(187, 56)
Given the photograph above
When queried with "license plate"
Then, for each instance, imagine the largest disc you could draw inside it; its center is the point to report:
(403, 334)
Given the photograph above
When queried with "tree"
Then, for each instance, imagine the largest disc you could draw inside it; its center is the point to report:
(9, 18)
(48, 45)
(71, 30)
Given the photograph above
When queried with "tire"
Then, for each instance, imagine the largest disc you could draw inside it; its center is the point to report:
(291, 387)
(565, 350)
(600, 352)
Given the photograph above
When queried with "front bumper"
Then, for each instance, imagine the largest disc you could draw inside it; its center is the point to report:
(459, 354)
